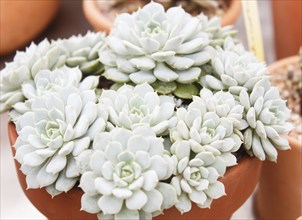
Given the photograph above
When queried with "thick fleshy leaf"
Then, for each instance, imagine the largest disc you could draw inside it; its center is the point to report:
(137, 200)
(90, 203)
(109, 204)
(184, 204)
(103, 186)
(126, 214)
(164, 73)
(87, 183)
(215, 190)
(150, 180)
(154, 202)
(56, 164)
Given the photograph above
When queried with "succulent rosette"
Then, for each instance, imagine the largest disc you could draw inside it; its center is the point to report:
(123, 175)
(232, 69)
(48, 82)
(83, 52)
(213, 27)
(131, 106)
(196, 180)
(58, 128)
(204, 139)
(153, 45)
(265, 114)
(76, 51)
(205, 127)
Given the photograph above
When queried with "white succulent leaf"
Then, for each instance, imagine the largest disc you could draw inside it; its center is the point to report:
(51, 134)
(125, 173)
(208, 124)
(81, 51)
(153, 44)
(232, 70)
(266, 115)
(131, 106)
(196, 180)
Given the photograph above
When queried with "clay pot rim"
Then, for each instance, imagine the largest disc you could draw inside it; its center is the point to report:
(100, 21)
(273, 68)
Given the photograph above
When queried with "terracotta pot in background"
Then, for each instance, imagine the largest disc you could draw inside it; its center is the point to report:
(287, 17)
(279, 194)
(22, 21)
(239, 182)
(101, 22)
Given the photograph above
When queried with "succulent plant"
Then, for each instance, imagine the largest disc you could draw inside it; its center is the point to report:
(76, 51)
(130, 106)
(123, 175)
(204, 127)
(48, 82)
(265, 114)
(152, 45)
(83, 52)
(217, 34)
(58, 128)
(186, 96)
(204, 138)
(232, 69)
(196, 180)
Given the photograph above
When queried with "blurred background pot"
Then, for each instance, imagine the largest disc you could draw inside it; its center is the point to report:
(279, 195)
(22, 21)
(101, 20)
(287, 17)
(239, 182)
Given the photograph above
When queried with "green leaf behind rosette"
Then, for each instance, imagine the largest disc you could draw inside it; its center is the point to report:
(164, 88)
(186, 91)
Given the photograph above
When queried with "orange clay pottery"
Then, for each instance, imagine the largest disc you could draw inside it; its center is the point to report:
(287, 17)
(101, 22)
(22, 21)
(279, 195)
(239, 182)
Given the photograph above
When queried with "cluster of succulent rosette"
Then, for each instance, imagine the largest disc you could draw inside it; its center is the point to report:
(185, 96)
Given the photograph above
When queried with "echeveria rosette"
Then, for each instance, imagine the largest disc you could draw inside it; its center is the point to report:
(213, 27)
(196, 180)
(123, 175)
(130, 106)
(83, 52)
(47, 82)
(58, 128)
(232, 70)
(265, 114)
(204, 138)
(75, 51)
(24, 67)
(224, 105)
(153, 45)
(206, 127)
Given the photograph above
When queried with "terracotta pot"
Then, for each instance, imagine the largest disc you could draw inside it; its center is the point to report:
(101, 22)
(279, 194)
(239, 182)
(22, 21)
(288, 31)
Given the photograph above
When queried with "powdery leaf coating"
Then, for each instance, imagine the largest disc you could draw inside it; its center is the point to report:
(130, 106)
(52, 133)
(152, 45)
(265, 119)
(127, 173)
(81, 51)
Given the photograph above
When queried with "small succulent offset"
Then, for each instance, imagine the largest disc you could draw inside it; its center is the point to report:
(186, 99)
